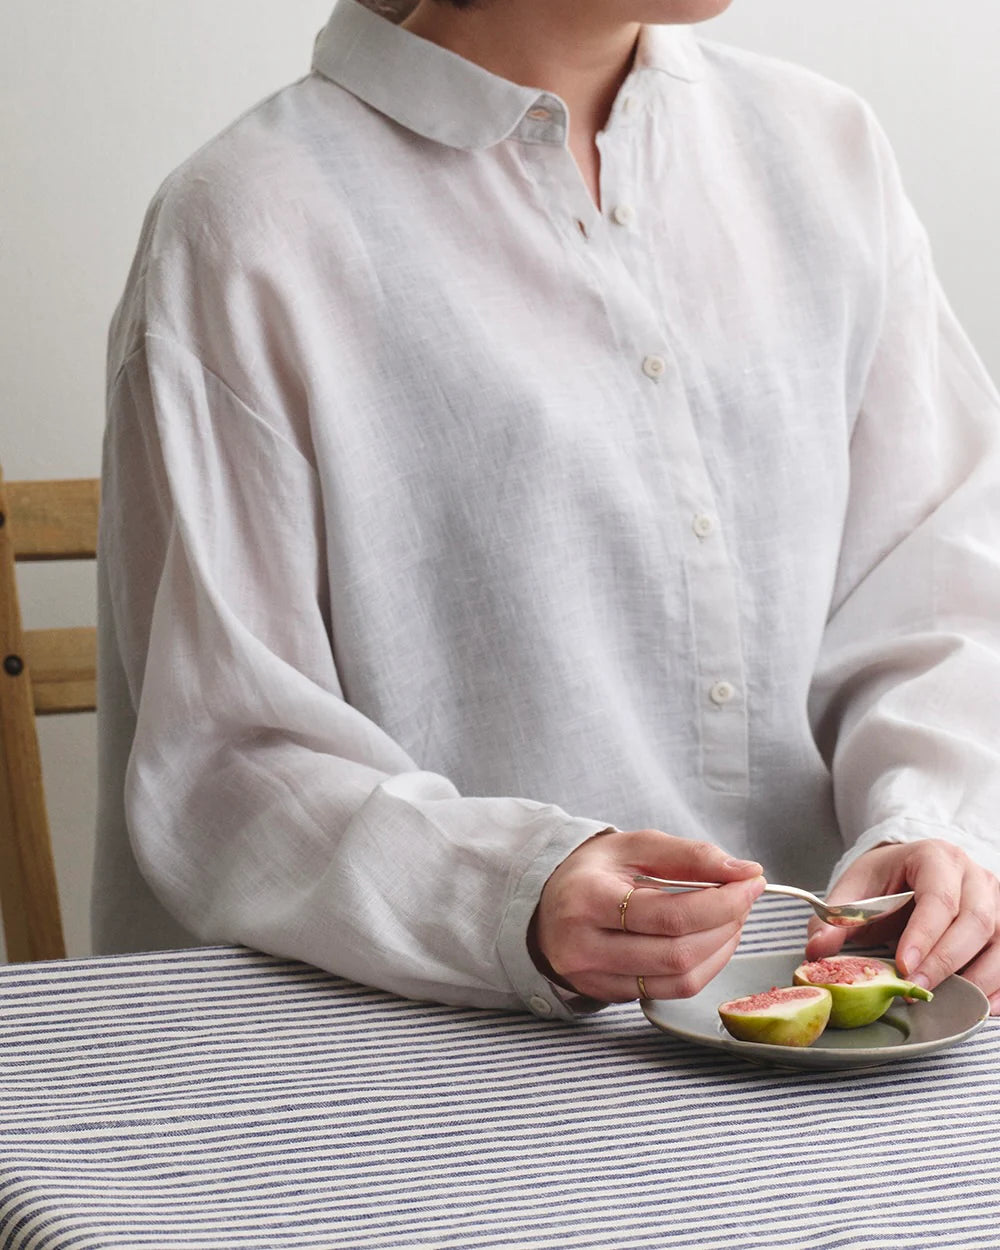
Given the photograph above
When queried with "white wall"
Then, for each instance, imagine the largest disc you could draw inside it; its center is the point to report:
(98, 100)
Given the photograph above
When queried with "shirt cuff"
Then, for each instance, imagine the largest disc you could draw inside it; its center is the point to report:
(908, 829)
(577, 1004)
(539, 994)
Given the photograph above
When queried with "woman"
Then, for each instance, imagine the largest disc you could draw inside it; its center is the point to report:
(536, 401)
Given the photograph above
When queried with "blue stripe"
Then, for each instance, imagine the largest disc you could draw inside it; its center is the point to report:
(224, 1099)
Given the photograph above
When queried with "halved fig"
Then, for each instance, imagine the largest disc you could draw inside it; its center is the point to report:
(795, 1016)
(862, 988)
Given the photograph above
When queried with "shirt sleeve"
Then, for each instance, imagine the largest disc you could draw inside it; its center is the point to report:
(262, 807)
(905, 697)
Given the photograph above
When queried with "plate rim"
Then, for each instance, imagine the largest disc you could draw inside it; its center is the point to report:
(815, 1056)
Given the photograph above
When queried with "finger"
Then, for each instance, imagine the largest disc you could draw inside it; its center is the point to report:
(863, 879)
(653, 911)
(620, 954)
(984, 971)
(937, 880)
(656, 853)
(624, 988)
(826, 940)
(972, 929)
(884, 932)
(599, 954)
(694, 980)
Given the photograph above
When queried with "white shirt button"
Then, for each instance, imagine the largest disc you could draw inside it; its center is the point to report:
(629, 105)
(540, 1006)
(703, 524)
(623, 214)
(721, 692)
(654, 367)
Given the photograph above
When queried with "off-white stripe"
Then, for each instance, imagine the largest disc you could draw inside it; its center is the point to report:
(224, 1100)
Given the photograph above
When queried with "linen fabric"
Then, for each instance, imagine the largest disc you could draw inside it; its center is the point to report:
(449, 519)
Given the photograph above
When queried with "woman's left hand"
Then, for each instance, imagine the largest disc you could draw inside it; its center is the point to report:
(953, 924)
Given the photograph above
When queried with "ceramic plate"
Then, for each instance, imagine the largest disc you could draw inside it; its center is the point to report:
(958, 1009)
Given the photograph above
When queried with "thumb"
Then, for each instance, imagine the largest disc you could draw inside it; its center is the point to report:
(824, 940)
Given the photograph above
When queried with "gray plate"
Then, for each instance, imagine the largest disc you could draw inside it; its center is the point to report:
(958, 1009)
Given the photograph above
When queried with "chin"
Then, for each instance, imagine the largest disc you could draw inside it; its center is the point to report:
(665, 12)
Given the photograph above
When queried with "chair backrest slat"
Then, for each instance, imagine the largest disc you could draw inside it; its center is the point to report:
(62, 664)
(54, 520)
(41, 671)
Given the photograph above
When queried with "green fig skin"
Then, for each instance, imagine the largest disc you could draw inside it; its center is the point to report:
(862, 988)
(778, 1017)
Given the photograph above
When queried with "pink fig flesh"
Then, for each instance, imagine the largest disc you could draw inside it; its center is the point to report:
(842, 970)
(795, 1016)
(862, 987)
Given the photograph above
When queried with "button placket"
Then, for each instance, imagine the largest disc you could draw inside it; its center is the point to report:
(718, 654)
(618, 181)
(643, 326)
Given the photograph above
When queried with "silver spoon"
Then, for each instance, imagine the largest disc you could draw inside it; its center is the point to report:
(844, 915)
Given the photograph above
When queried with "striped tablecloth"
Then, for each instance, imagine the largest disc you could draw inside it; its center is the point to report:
(222, 1099)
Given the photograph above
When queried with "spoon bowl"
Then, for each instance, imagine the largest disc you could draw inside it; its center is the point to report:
(842, 915)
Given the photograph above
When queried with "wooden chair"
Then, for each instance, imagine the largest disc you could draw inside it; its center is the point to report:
(41, 671)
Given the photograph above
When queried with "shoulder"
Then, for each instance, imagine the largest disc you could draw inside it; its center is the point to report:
(235, 213)
(778, 100)
(259, 170)
(753, 75)
(806, 138)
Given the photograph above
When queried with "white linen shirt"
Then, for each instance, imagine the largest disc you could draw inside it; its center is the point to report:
(449, 520)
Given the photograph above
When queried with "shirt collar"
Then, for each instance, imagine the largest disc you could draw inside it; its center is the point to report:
(444, 97)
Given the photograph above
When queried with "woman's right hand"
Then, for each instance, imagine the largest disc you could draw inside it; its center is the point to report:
(676, 942)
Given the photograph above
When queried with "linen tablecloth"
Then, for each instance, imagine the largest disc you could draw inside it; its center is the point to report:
(223, 1099)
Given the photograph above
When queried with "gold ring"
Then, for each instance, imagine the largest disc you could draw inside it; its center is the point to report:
(642, 987)
(622, 906)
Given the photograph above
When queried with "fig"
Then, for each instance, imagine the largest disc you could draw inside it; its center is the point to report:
(862, 987)
(795, 1016)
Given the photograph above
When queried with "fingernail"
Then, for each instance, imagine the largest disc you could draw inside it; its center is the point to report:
(908, 959)
(995, 1005)
(919, 979)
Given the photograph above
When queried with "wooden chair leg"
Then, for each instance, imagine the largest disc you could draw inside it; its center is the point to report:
(29, 896)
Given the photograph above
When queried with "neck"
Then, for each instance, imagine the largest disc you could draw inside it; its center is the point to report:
(570, 48)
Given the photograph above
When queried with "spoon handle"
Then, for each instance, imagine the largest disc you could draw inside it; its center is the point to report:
(642, 879)
(794, 891)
